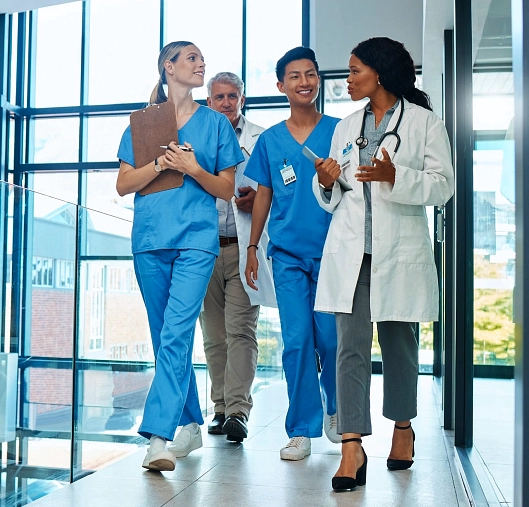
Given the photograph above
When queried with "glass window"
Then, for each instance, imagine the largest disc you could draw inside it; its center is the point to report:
(338, 103)
(112, 314)
(269, 37)
(58, 55)
(65, 272)
(267, 117)
(104, 136)
(61, 185)
(220, 41)
(494, 242)
(123, 57)
(56, 140)
(42, 274)
(101, 195)
(13, 62)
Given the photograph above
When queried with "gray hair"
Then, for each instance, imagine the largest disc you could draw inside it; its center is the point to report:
(228, 78)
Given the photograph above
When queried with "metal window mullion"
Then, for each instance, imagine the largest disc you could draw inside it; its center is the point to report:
(520, 32)
(449, 251)
(464, 224)
(76, 455)
(305, 23)
(162, 24)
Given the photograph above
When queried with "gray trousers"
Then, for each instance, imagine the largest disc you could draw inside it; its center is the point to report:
(229, 324)
(400, 359)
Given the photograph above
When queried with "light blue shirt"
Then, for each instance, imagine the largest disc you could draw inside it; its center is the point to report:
(373, 135)
(297, 225)
(185, 217)
(227, 226)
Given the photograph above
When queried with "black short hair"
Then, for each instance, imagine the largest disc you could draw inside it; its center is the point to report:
(299, 53)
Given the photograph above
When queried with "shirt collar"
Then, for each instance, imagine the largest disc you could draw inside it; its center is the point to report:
(390, 110)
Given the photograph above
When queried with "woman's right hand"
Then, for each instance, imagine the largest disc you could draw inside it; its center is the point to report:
(328, 171)
(177, 159)
(252, 265)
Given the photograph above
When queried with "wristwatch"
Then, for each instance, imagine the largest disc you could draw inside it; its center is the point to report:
(328, 189)
(157, 166)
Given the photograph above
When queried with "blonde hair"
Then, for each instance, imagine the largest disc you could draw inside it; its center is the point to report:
(170, 52)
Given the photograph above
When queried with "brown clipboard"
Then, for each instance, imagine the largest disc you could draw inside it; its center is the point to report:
(152, 127)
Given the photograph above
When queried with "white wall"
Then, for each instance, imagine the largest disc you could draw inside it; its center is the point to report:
(338, 25)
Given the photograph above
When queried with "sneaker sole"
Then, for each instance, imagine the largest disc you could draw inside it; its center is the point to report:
(337, 440)
(292, 457)
(160, 465)
(183, 454)
(234, 430)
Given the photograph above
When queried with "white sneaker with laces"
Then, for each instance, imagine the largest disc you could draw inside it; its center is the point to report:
(188, 439)
(296, 449)
(158, 457)
(330, 425)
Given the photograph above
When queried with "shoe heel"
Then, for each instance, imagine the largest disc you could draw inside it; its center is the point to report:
(361, 474)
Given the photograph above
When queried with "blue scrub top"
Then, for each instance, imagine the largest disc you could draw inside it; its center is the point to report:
(185, 217)
(297, 225)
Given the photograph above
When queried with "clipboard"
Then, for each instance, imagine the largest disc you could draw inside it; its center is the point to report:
(151, 127)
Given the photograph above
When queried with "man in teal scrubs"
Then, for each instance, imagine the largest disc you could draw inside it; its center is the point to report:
(297, 230)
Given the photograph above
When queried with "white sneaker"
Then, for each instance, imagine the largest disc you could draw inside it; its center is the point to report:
(296, 449)
(188, 439)
(330, 425)
(158, 457)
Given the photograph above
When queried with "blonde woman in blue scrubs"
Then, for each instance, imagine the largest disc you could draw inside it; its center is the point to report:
(174, 243)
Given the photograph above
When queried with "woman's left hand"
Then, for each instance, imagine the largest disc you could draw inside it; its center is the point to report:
(180, 160)
(381, 170)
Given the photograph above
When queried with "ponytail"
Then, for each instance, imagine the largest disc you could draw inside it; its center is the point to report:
(416, 96)
(158, 94)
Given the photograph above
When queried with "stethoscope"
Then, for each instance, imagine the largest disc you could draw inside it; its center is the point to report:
(362, 141)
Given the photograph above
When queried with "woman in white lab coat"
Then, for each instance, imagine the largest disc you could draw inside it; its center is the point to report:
(378, 263)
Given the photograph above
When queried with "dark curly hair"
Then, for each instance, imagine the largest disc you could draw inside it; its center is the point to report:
(299, 53)
(395, 68)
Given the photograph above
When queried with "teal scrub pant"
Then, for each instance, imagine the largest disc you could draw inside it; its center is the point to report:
(173, 284)
(305, 333)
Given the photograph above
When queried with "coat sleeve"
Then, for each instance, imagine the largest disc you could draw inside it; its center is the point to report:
(337, 192)
(434, 184)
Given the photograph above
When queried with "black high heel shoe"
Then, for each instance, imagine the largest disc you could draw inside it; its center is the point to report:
(347, 483)
(403, 464)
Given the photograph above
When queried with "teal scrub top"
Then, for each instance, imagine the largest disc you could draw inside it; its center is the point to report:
(297, 225)
(185, 217)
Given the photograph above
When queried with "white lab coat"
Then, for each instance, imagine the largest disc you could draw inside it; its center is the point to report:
(403, 275)
(243, 221)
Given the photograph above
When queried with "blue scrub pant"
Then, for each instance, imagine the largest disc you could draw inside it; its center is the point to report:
(173, 284)
(305, 332)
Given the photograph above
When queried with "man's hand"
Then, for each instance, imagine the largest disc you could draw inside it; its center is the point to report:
(381, 170)
(252, 266)
(245, 202)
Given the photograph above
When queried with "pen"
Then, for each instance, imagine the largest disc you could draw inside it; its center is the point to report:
(181, 146)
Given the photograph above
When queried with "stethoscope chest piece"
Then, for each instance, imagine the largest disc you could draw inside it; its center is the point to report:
(361, 142)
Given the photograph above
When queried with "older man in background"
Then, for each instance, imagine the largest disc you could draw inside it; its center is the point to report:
(231, 309)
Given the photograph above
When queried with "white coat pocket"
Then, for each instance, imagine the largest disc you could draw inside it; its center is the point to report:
(415, 246)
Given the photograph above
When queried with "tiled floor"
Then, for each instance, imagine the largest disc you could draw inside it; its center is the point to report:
(252, 475)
